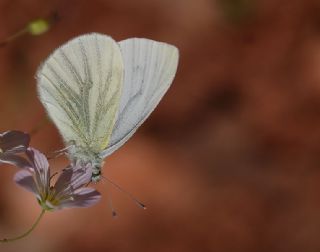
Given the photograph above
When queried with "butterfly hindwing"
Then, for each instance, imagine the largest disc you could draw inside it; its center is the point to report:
(149, 68)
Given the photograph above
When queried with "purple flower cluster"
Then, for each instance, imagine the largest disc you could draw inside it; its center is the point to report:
(69, 189)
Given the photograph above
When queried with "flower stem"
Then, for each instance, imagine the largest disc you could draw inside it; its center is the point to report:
(25, 233)
(13, 37)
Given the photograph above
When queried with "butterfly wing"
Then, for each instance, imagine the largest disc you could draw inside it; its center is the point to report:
(80, 86)
(149, 69)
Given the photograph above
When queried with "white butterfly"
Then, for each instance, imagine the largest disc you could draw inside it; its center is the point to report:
(98, 92)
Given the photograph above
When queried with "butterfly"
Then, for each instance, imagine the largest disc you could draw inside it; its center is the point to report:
(98, 91)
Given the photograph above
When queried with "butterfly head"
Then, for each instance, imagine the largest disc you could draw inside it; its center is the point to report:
(96, 170)
(96, 177)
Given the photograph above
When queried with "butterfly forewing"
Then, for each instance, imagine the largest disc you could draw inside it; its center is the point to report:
(80, 86)
(149, 68)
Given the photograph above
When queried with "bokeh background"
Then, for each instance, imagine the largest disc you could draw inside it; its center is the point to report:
(230, 159)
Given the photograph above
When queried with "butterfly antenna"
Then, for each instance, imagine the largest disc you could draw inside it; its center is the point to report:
(114, 213)
(125, 192)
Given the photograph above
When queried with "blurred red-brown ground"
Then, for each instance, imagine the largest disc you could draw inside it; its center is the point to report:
(230, 159)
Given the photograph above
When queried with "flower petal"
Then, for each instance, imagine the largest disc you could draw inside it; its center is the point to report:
(83, 197)
(14, 160)
(25, 179)
(63, 181)
(73, 178)
(14, 141)
(41, 169)
(81, 176)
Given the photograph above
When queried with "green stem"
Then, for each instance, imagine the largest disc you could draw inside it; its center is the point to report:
(27, 232)
(13, 37)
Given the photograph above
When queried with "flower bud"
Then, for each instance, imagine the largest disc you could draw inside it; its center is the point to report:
(38, 27)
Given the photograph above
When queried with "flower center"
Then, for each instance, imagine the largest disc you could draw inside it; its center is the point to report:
(45, 206)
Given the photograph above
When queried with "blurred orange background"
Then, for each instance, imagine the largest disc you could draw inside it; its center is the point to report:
(229, 160)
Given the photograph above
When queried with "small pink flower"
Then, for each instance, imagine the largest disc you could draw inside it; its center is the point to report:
(12, 143)
(68, 191)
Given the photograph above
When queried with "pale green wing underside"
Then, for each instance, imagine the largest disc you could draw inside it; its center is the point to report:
(80, 86)
(149, 69)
